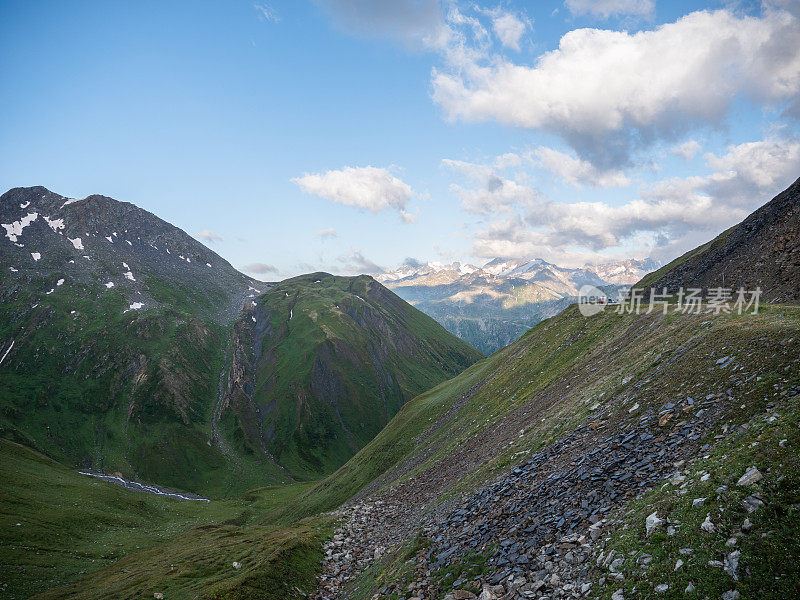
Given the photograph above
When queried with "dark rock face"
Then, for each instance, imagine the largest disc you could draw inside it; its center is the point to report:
(763, 250)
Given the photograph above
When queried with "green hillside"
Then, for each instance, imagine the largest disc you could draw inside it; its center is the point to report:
(333, 360)
(58, 527)
(127, 346)
(569, 373)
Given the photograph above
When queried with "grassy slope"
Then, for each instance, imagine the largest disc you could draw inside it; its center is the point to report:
(120, 391)
(57, 526)
(768, 563)
(378, 352)
(611, 362)
(546, 384)
(462, 432)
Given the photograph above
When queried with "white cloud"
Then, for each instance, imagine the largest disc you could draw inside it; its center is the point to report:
(608, 8)
(598, 90)
(491, 191)
(669, 217)
(508, 28)
(324, 234)
(209, 236)
(687, 150)
(749, 170)
(369, 188)
(579, 172)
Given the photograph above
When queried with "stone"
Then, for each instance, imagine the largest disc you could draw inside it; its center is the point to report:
(616, 565)
(158, 596)
(661, 588)
(678, 565)
(618, 595)
(732, 564)
(652, 522)
(677, 479)
(707, 525)
(747, 525)
(751, 476)
(463, 595)
(731, 595)
(689, 588)
(698, 502)
(752, 503)
(237, 565)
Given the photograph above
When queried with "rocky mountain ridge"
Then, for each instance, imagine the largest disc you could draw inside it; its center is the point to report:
(763, 251)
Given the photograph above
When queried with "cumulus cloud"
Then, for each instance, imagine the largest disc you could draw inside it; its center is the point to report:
(747, 171)
(209, 236)
(508, 28)
(579, 172)
(687, 150)
(597, 90)
(324, 234)
(674, 213)
(490, 191)
(260, 268)
(369, 188)
(608, 8)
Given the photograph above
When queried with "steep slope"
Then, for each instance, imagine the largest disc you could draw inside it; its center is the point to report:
(324, 362)
(122, 341)
(542, 440)
(763, 250)
(114, 327)
(493, 305)
(625, 454)
(618, 455)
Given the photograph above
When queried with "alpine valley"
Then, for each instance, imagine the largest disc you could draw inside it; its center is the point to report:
(349, 446)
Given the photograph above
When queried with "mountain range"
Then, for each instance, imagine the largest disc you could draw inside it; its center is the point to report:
(625, 454)
(493, 305)
(127, 346)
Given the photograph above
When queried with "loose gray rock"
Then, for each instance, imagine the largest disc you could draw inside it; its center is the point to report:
(707, 525)
(751, 476)
(652, 522)
(732, 564)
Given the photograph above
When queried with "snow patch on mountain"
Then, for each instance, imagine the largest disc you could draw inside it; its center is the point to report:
(13, 230)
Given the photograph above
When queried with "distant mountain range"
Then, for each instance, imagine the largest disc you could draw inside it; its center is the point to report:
(492, 305)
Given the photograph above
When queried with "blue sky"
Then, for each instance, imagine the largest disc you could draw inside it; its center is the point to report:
(347, 135)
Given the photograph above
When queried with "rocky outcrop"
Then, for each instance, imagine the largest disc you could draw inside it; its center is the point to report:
(762, 251)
